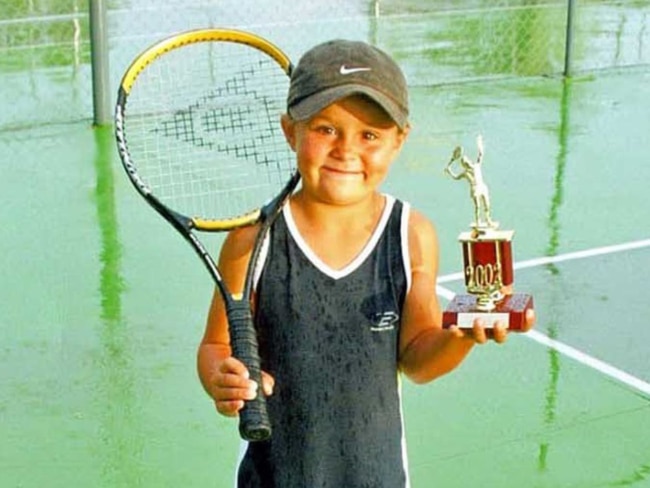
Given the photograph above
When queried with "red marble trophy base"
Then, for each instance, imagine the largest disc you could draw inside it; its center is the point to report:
(511, 311)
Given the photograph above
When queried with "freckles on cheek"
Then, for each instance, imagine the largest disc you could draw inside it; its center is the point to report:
(307, 150)
(380, 161)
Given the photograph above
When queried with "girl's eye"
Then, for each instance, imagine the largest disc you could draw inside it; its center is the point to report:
(370, 136)
(326, 130)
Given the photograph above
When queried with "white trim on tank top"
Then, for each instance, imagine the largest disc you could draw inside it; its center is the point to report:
(368, 247)
(356, 262)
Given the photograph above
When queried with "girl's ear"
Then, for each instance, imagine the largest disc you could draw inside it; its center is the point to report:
(404, 133)
(289, 129)
(401, 137)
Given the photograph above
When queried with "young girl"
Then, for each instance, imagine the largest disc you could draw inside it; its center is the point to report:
(346, 297)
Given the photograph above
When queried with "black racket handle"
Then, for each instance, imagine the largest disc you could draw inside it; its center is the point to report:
(254, 424)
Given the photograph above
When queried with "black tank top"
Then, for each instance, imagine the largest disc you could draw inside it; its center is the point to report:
(330, 339)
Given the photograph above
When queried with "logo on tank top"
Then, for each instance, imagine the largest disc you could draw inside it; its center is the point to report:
(384, 321)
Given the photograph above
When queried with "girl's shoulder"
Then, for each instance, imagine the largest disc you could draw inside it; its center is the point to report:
(239, 242)
(422, 239)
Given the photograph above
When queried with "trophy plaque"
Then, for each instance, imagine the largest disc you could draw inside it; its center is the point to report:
(487, 259)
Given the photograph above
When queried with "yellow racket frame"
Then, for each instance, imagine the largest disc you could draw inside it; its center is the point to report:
(202, 35)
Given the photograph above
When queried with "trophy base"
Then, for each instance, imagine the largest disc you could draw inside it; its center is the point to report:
(511, 311)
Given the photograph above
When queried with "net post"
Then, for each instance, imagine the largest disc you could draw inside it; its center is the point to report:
(568, 46)
(99, 60)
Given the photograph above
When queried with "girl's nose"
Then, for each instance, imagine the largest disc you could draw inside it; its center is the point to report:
(345, 147)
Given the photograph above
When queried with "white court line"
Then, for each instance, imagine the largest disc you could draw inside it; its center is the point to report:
(568, 351)
(589, 253)
(597, 364)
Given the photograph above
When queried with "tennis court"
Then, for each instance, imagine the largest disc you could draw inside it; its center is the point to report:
(103, 304)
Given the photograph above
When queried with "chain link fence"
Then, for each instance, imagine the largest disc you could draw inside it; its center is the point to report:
(45, 49)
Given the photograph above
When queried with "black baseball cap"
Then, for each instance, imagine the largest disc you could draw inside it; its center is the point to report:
(337, 69)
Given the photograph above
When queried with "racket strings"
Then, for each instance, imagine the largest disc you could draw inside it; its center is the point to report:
(203, 126)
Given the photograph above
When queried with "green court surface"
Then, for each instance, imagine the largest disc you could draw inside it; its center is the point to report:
(102, 304)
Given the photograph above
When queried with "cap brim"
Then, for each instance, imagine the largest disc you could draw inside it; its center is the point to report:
(310, 106)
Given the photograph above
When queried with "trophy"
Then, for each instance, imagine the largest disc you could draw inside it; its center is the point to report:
(487, 259)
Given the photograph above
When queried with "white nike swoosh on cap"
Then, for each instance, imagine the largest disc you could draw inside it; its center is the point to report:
(344, 70)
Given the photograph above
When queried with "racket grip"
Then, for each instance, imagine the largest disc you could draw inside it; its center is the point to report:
(254, 424)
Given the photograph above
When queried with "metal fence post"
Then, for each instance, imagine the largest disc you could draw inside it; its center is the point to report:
(102, 113)
(568, 46)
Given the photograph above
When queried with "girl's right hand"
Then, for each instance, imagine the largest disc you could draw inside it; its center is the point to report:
(231, 386)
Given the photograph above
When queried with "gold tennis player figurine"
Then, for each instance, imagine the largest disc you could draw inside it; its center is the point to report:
(487, 258)
(473, 172)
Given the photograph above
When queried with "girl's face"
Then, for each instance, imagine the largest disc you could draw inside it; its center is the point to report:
(344, 152)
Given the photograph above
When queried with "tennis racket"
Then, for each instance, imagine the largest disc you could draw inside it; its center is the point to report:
(198, 131)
